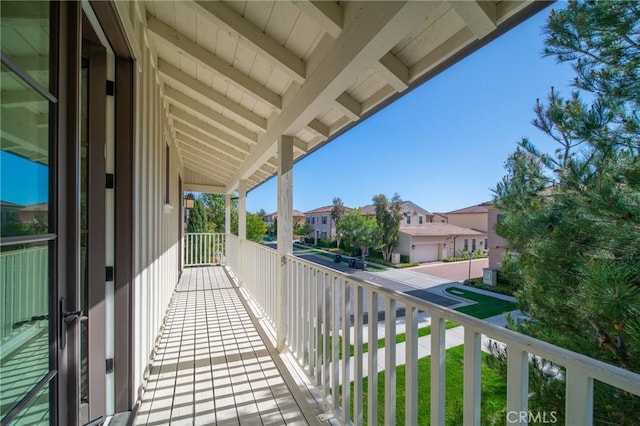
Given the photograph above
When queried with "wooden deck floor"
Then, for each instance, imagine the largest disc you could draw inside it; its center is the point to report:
(212, 366)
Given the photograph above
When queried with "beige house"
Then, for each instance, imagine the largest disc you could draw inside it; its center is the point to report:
(436, 241)
(497, 244)
(324, 227)
(474, 217)
(413, 214)
(298, 218)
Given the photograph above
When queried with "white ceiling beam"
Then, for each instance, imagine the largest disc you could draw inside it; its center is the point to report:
(196, 163)
(177, 97)
(377, 27)
(379, 96)
(349, 106)
(208, 140)
(205, 154)
(479, 17)
(209, 189)
(225, 138)
(207, 59)
(393, 71)
(225, 17)
(319, 128)
(327, 14)
(300, 145)
(178, 76)
(441, 53)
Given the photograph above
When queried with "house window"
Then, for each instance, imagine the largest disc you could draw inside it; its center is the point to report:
(308, 220)
(499, 218)
(324, 220)
(486, 244)
(167, 178)
(313, 220)
(420, 220)
(466, 244)
(473, 244)
(408, 220)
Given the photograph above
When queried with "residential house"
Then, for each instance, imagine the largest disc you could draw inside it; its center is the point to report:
(324, 227)
(129, 104)
(412, 214)
(10, 212)
(298, 218)
(474, 217)
(436, 241)
(439, 217)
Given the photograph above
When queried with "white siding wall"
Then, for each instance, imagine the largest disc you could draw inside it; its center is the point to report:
(156, 239)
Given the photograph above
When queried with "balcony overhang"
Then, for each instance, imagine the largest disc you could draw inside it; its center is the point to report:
(236, 76)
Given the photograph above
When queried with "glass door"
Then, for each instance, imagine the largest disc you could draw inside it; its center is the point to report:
(91, 255)
(28, 238)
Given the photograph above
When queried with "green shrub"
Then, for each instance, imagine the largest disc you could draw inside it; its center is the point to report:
(404, 258)
(499, 288)
(454, 259)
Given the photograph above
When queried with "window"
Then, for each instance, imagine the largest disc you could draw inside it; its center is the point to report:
(486, 244)
(466, 244)
(313, 220)
(419, 220)
(499, 219)
(408, 220)
(324, 220)
(473, 244)
(308, 220)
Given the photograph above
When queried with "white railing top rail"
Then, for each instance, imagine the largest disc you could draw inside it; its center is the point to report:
(261, 246)
(606, 373)
(206, 233)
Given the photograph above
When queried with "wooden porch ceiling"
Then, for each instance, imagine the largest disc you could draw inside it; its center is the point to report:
(238, 74)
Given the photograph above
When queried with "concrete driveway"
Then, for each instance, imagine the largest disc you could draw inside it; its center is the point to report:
(454, 271)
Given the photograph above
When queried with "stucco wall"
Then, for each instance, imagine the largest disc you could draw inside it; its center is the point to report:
(477, 221)
(497, 244)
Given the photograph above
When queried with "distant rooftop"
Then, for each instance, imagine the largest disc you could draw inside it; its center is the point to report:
(370, 209)
(326, 209)
(434, 229)
(478, 208)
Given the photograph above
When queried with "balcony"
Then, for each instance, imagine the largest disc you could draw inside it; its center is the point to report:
(217, 359)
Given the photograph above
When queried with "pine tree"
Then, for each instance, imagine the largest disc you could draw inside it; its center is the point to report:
(573, 217)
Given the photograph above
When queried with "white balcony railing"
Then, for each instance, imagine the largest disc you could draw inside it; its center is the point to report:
(319, 301)
(204, 249)
(24, 275)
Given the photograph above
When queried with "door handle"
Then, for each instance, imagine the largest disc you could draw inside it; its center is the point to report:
(69, 317)
(66, 319)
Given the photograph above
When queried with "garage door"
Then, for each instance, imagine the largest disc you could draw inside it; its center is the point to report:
(425, 253)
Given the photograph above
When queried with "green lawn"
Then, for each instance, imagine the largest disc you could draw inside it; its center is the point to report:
(485, 307)
(494, 392)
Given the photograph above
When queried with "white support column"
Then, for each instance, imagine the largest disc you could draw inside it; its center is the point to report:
(242, 210)
(227, 214)
(285, 233)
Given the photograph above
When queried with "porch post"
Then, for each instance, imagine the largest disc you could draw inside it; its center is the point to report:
(285, 234)
(242, 210)
(227, 214)
(242, 230)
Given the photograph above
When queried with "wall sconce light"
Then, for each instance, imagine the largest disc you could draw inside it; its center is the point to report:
(189, 201)
(413, 246)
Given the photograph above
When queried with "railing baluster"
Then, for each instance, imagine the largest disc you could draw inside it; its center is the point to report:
(335, 343)
(389, 361)
(579, 397)
(326, 333)
(411, 370)
(346, 343)
(438, 371)
(517, 381)
(312, 309)
(306, 318)
(472, 366)
(372, 358)
(357, 355)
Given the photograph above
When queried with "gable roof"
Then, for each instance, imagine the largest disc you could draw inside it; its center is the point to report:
(406, 206)
(435, 229)
(326, 209)
(295, 213)
(478, 208)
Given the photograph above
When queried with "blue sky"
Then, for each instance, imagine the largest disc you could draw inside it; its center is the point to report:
(22, 181)
(442, 146)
